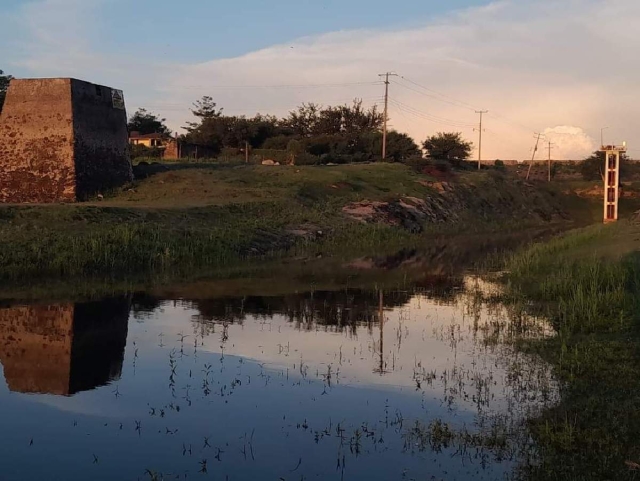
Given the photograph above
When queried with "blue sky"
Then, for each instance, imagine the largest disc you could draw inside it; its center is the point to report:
(200, 30)
(534, 64)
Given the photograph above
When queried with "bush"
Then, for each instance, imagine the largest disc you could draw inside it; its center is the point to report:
(138, 151)
(443, 165)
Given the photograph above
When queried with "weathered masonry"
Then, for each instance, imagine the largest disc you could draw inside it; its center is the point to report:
(62, 140)
(63, 349)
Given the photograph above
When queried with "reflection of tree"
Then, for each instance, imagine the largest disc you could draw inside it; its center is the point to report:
(143, 304)
(335, 310)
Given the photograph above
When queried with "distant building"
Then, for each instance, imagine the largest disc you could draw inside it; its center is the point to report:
(170, 148)
(148, 140)
(62, 139)
(180, 149)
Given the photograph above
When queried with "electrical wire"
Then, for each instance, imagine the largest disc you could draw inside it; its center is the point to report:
(430, 117)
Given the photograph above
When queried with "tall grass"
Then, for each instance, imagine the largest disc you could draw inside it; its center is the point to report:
(588, 284)
(580, 290)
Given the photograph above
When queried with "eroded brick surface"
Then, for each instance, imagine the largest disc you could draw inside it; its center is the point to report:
(61, 140)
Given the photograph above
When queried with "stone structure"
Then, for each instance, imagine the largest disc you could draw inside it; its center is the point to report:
(63, 349)
(179, 149)
(61, 140)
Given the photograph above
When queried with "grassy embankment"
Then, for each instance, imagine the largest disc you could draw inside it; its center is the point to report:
(197, 217)
(588, 284)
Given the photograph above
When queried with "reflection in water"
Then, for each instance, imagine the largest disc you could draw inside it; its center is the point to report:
(63, 349)
(412, 383)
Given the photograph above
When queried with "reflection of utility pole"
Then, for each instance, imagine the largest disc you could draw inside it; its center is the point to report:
(380, 370)
(386, 111)
(535, 149)
(481, 112)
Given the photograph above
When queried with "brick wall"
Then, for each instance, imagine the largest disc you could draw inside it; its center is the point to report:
(61, 140)
(36, 142)
(101, 140)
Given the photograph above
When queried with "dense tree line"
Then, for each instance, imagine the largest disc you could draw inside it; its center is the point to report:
(4, 85)
(338, 134)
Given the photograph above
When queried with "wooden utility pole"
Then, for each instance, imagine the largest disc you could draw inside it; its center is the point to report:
(535, 149)
(386, 110)
(551, 144)
(481, 112)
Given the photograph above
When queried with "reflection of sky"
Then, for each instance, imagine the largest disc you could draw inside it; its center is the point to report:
(263, 398)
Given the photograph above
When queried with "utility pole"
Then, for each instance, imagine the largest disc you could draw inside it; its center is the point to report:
(551, 144)
(386, 110)
(246, 152)
(535, 149)
(481, 112)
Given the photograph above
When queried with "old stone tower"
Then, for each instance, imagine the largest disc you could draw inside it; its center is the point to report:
(61, 140)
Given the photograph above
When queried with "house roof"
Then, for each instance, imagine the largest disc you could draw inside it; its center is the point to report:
(138, 135)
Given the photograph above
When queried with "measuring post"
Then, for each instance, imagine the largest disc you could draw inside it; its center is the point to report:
(612, 156)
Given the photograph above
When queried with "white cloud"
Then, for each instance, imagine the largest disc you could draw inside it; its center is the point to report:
(538, 64)
(569, 142)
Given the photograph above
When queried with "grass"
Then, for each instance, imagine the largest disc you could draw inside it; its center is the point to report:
(189, 217)
(587, 283)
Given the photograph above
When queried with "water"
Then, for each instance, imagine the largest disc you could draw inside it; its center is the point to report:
(411, 383)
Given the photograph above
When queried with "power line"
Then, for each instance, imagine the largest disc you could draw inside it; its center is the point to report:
(451, 100)
(273, 86)
(459, 103)
(431, 117)
(427, 95)
(184, 108)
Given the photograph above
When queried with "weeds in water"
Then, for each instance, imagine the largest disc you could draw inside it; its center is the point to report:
(589, 289)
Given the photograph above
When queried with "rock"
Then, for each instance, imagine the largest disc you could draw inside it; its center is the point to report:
(306, 232)
(410, 213)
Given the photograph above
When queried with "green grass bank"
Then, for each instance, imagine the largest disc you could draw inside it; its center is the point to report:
(587, 283)
(187, 218)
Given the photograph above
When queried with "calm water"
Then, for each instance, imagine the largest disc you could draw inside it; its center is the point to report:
(353, 384)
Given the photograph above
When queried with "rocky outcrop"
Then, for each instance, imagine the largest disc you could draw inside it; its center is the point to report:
(453, 202)
(409, 213)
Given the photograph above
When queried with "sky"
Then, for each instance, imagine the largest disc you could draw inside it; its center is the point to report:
(564, 68)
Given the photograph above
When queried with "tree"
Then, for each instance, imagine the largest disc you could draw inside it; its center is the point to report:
(310, 120)
(400, 147)
(207, 130)
(4, 85)
(204, 109)
(592, 168)
(448, 146)
(145, 123)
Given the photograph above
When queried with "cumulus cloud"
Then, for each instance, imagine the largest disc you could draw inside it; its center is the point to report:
(570, 142)
(535, 65)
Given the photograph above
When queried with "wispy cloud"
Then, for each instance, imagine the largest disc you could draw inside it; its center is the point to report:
(537, 64)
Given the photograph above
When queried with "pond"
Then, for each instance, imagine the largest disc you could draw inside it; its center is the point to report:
(416, 382)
